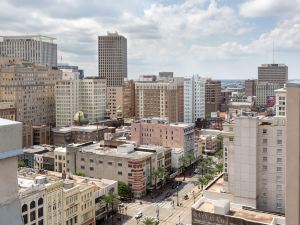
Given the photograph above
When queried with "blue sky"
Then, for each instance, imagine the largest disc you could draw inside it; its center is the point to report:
(223, 39)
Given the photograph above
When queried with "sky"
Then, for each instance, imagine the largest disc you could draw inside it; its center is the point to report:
(222, 39)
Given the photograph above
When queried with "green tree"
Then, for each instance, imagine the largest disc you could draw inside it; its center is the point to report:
(81, 174)
(159, 173)
(219, 167)
(208, 177)
(201, 181)
(148, 221)
(184, 163)
(21, 163)
(111, 200)
(124, 190)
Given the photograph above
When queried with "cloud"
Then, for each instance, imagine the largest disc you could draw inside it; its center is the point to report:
(260, 8)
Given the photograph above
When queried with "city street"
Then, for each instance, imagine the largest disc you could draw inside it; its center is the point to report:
(162, 205)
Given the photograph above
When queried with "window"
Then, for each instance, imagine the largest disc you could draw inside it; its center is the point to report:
(82, 167)
(129, 174)
(24, 208)
(40, 212)
(91, 168)
(265, 159)
(231, 139)
(279, 132)
(279, 169)
(265, 150)
(265, 168)
(41, 222)
(119, 164)
(279, 142)
(32, 216)
(265, 141)
(32, 204)
(119, 172)
(279, 160)
(25, 219)
(264, 131)
(100, 162)
(109, 163)
(91, 160)
(40, 201)
(82, 159)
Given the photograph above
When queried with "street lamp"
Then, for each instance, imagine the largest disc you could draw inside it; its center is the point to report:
(157, 212)
(177, 196)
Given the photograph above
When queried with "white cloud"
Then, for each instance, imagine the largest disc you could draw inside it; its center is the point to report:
(259, 8)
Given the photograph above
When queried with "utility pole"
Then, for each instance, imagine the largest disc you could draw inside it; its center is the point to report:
(177, 196)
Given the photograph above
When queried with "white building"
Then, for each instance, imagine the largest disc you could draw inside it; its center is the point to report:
(10, 148)
(194, 98)
(280, 102)
(37, 49)
(60, 159)
(87, 95)
(254, 162)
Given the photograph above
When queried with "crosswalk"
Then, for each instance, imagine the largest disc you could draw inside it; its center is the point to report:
(137, 206)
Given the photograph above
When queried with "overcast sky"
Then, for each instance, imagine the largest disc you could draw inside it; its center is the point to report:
(224, 39)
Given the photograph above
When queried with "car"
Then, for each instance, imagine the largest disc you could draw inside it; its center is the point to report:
(138, 215)
(121, 204)
(196, 171)
(168, 194)
(174, 186)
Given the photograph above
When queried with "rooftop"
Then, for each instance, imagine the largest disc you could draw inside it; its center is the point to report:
(96, 149)
(60, 149)
(88, 128)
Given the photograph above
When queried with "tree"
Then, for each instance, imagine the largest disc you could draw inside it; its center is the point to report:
(148, 221)
(208, 177)
(81, 174)
(111, 200)
(219, 167)
(201, 181)
(124, 190)
(159, 173)
(184, 163)
(21, 163)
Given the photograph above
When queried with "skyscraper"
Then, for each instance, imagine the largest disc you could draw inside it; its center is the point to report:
(112, 61)
(212, 96)
(250, 87)
(292, 155)
(37, 49)
(273, 73)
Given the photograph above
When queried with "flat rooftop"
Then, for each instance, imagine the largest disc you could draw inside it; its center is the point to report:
(217, 186)
(97, 149)
(88, 128)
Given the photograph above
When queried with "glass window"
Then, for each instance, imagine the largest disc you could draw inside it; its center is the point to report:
(32, 204)
(24, 208)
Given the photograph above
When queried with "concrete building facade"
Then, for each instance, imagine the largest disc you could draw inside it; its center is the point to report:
(31, 88)
(194, 98)
(87, 95)
(292, 155)
(159, 132)
(114, 102)
(10, 148)
(212, 96)
(128, 99)
(8, 110)
(273, 73)
(266, 92)
(36, 49)
(112, 59)
(250, 87)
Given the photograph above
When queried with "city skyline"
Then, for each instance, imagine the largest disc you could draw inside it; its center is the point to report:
(221, 39)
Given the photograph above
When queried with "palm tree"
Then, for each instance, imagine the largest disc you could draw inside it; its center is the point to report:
(184, 163)
(148, 221)
(209, 177)
(110, 200)
(201, 181)
(159, 173)
(202, 166)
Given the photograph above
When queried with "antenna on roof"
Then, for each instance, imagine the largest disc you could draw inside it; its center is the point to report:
(273, 53)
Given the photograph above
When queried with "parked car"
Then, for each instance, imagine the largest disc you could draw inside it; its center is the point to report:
(138, 215)
(168, 194)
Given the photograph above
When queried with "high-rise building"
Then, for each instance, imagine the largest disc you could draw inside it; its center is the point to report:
(10, 148)
(73, 69)
(212, 96)
(156, 99)
(31, 88)
(114, 102)
(36, 49)
(112, 59)
(254, 162)
(128, 99)
(273, 73)
(87, 95)
(293, 155)
(250, 87)
(194, 98)
(265, 93)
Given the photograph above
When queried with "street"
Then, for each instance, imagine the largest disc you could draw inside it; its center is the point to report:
(162, 205)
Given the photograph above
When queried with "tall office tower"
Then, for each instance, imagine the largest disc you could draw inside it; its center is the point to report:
(180, 97)
(292, 212)
(37, 49)
(194, 98)
(128, 99)
(31, 88)
(265, 93)
(212, 96)
(87, 95)
(254, 162)
(250, 87)
(10, 148)
(112, 61)
(156, 99)
(273, 73)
